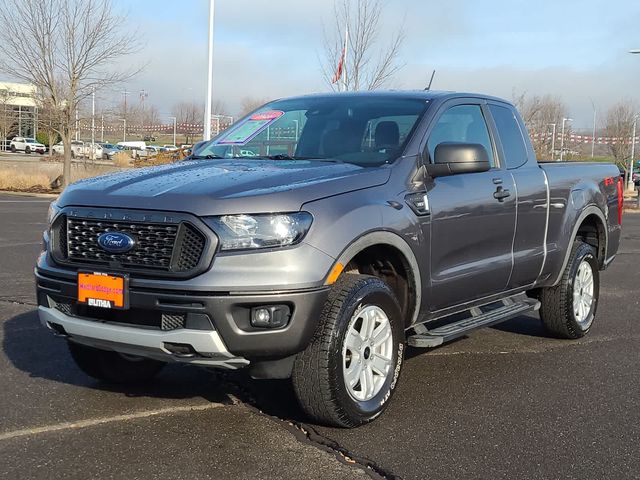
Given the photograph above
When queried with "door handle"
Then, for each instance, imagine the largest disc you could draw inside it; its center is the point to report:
(500, 194)
(497, 181)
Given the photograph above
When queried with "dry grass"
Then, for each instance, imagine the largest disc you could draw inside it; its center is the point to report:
(19, 181)
(161, 158)
(122, 159)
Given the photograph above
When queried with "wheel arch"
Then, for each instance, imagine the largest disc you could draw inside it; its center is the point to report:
(398, 261)
(590, 227)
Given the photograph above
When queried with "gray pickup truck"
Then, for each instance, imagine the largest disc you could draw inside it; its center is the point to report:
(318, 237)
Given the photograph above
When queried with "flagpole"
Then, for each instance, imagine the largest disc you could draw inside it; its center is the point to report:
(346, 51)
(206, 133)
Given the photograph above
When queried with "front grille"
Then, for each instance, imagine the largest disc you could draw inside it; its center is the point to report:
(153, 248)
(159, 247)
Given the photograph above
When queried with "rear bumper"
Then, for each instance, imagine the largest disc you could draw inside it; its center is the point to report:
(209, 315)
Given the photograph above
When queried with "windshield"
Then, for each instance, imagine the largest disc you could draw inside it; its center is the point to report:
(363, 130)
(30, 140)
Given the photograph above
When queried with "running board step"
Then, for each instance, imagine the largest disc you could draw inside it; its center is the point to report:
(478, 319)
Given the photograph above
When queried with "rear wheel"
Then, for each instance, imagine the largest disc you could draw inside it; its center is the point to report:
(13, 148)
(347, 374)
(568, 309)
(113, 367)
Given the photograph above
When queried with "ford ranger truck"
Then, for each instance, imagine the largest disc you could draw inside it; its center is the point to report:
(321, 235)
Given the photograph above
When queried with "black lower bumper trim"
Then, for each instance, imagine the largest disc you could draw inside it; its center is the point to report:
(230, 314)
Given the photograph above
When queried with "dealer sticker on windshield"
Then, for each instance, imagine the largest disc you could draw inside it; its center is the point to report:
(250, 128)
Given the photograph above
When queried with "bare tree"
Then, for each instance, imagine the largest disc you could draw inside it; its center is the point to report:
(189, 115)
(67, 49)
(540, 113)
(619, 126)
(249, 104)
(369, 65)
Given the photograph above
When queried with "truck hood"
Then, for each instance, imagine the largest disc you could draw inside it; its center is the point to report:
(217, 187)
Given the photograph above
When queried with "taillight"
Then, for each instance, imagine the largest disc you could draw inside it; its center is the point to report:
(620, 200)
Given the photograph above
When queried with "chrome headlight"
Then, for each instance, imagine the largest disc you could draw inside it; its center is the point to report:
(238, 232)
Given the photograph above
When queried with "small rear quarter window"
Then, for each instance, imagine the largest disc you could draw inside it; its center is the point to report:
(510, 134)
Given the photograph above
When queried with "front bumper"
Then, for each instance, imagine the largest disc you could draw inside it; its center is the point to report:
(209, 315)
(208, 346)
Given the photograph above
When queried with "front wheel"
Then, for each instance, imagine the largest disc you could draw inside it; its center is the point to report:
(568, 309)
(27, 150)
(347, 374)
(113, 367)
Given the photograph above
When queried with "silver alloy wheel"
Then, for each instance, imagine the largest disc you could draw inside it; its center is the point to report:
(583, 293)
(367, 353)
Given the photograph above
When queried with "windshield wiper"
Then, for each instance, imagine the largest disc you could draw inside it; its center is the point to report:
(204, 157)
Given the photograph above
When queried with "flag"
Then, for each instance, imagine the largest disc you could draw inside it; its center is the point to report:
(338, 75)
(341, 64)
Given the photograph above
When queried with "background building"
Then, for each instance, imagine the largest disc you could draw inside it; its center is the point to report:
(18, 111)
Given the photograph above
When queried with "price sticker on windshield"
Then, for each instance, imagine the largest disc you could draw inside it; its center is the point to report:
(250, 128)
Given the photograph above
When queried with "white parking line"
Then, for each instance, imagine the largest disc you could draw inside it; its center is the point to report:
(91, 422)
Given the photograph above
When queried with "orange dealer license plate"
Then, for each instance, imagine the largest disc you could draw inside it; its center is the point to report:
(103, 290)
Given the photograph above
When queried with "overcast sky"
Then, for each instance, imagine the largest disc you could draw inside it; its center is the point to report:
(268, 49)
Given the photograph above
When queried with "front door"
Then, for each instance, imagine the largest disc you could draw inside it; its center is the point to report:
(472, 217)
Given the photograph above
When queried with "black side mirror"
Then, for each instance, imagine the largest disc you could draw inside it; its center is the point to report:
(454, 157)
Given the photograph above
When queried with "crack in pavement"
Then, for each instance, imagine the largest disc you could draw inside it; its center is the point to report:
(307, 434)
(91, 422)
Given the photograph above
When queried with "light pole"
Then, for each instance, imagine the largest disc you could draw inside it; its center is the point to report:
(124, 129)
(174, 129)
(553, 139)
(593, 135)
(93, 125)
(633, 154)
(564, 120)
(207, 108)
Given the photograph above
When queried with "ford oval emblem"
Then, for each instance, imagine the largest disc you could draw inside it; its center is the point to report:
(116, 242)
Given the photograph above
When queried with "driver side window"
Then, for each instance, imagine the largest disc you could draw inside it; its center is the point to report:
(463, 124)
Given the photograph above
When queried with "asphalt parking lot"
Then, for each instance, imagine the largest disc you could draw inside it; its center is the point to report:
(506, 402)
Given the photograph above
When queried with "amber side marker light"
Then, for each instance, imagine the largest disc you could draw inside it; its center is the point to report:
(335, 273)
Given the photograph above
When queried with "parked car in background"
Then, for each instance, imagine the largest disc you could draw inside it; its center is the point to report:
(58, 149)
(150, 151)
(27, 145)
(79, 149)
(109, 150)
(168, 148)
(138, 145)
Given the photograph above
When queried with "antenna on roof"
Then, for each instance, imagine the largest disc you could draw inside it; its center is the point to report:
(433, 74)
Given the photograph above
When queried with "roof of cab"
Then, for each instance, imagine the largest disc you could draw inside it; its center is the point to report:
(418, 94)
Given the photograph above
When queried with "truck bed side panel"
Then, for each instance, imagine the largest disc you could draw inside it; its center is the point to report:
(578, 190)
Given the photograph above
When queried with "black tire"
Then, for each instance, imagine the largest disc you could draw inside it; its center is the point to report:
(73, 154)
(557, 303)
(112, 367)
(13, 149)
(318, 378)
(27, 150)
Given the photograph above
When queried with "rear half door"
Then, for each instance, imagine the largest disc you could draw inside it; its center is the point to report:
(530, 180)
(471, 230)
